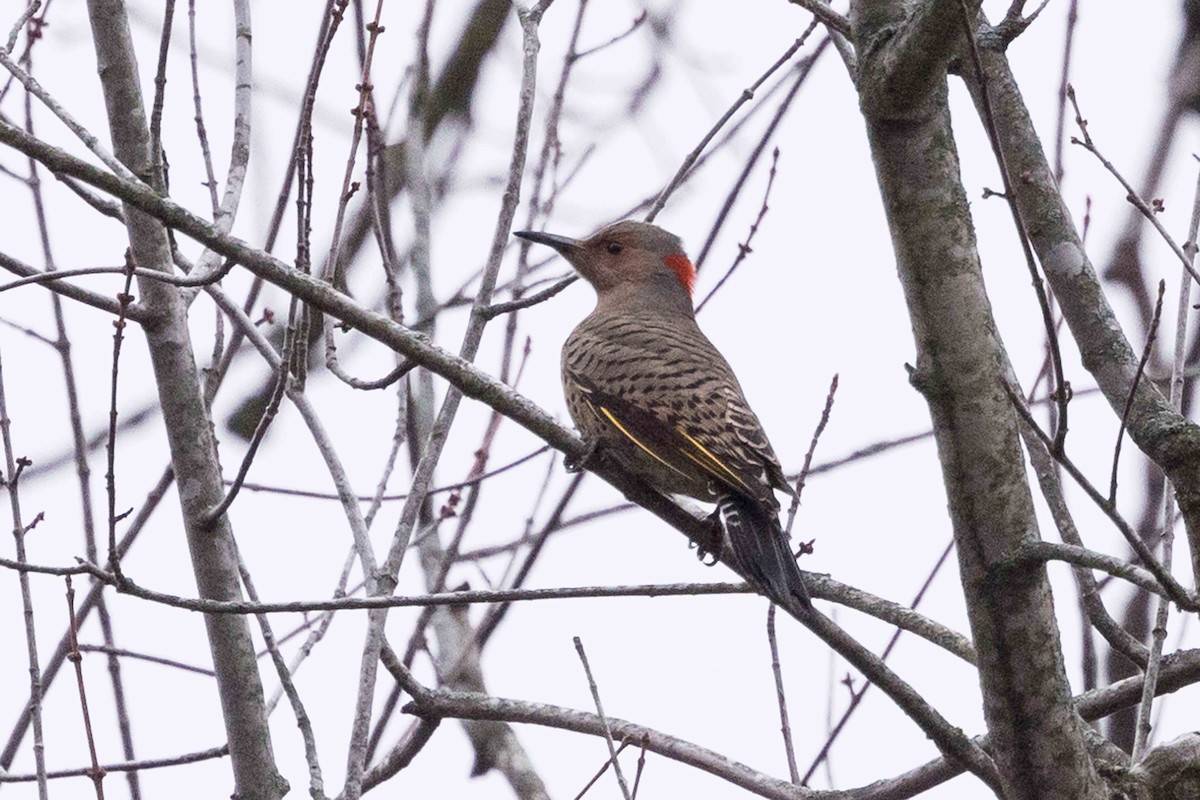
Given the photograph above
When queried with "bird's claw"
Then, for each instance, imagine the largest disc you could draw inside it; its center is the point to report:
(586, 460)
(715, 546)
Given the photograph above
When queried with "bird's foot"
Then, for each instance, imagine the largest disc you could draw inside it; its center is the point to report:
(587, 459)
(714, 547)
(806, 549)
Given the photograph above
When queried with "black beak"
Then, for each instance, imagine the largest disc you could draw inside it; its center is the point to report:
(563, 244)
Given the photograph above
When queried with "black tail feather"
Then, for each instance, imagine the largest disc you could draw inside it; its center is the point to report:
(762, 550)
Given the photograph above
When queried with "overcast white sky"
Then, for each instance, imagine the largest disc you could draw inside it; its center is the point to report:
(818, 296)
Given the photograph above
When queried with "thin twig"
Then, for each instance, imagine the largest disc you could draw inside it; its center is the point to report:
(12, 476)
(546, 165)
(15, 32)
(450, 598)
(282, 378)
(491, 621)
(30, 332)
(887, 445)
(812, 448)
(160, 90)
(91, 601)
(198, 105)
(330, 22)
(746, 95)
(637, 23)
(744, 247)
(383, 498)
(785, 726)
(1142, 730)
(600, 772)
(469, 705)
(641, 765)
(110, 476)
(1062, 389)
(857, 695)
(431, 452)
(337, 472)
(1060, 124)
(316, 784)
(435, 443)
(124, 653)
(74, 656)
(529, 538)
(225, 212)
(1131, 194)
(125, 766)
(457, 661)
(153, 274)
(761, 103)
(608, 738)
(366, 97)
(1171, 586)
(89, 140)
(1137, 378)
(1049, 480)
(105, 303)
(821, 11)
(1040, 552)
(821, 587)
(399, 371)
(79, 447)
(1013, 24)
(496, 309)
(802, 70)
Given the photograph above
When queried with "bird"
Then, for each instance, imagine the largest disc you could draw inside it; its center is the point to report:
(647, 388)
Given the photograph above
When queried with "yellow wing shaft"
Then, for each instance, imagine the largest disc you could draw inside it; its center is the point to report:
(687, 446)
(625, 432)
(711, 463)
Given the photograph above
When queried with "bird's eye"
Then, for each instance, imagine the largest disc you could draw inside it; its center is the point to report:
(614, 248)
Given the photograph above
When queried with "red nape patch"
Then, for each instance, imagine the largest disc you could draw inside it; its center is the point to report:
(683, 270)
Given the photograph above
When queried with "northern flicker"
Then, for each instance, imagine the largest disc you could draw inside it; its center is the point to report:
(646, 386)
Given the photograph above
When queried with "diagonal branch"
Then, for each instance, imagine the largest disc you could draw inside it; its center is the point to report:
(1166, 437)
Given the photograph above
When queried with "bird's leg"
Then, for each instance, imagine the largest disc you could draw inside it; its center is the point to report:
(588, 459)
(715, 545)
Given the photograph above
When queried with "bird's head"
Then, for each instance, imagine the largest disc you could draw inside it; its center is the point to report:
(624, 256)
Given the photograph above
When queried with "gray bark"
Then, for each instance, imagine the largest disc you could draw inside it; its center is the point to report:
(189, 431)
(1037, 738)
